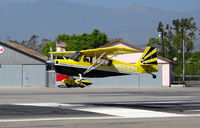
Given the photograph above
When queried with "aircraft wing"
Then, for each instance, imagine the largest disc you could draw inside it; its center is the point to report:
(64, 53)
(108, 51)
(99, 51)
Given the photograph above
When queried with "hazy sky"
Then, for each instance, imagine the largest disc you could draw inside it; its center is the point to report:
(169, 5)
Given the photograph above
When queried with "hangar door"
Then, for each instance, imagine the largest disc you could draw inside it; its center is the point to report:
(10, 75)
(34, 75)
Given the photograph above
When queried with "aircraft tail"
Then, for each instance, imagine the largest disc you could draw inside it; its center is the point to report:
(148, 60)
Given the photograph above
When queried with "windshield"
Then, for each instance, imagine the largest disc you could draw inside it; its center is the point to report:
(76, 56)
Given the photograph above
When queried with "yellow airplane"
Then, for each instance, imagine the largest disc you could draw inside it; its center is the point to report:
(99, 62)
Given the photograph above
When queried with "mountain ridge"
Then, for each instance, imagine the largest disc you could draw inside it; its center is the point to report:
(47, 19)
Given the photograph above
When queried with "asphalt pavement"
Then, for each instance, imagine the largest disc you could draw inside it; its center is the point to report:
(99, 107)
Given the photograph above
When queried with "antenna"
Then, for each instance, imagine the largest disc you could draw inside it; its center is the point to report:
(51, 55)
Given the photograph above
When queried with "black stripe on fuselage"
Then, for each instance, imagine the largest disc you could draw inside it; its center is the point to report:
(74, 71)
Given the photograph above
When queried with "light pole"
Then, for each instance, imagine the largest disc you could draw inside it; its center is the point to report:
(160, 35)
(50, 61)
(173, 67)
(183, 57)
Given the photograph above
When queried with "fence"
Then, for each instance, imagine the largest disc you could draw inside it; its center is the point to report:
(190, 80)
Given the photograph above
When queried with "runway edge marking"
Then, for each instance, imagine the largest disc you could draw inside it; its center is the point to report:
(57, 119)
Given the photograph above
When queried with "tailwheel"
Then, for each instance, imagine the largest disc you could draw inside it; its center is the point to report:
(153, 75)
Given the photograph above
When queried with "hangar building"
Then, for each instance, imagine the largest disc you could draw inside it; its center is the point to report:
(136, 80)
(21, 66)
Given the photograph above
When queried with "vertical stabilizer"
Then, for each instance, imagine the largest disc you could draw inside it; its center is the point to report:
(148, 61)
(149, 56)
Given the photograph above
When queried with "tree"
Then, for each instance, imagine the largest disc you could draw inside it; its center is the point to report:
(79, 42)
(170, 45)
(46, 48)
(186, 28)
(32, 43)
(172, 37)
(84, 41)
(154, 42)
(98, 38)
(161, 31)
(193, 66)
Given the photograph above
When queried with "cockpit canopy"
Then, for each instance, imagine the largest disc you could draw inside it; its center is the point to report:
(76, 56)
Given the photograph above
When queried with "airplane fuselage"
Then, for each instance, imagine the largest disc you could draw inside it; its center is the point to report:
(106, 67)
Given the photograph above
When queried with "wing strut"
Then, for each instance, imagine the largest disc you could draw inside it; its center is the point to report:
(93, 65)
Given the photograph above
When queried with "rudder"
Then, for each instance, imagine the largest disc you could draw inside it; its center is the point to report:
(148, 60)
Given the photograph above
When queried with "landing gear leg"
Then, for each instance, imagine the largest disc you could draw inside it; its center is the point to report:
(80, 76)
(81, 84)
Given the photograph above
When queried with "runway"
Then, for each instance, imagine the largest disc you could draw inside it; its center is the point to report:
(122, 107)
(56, 111)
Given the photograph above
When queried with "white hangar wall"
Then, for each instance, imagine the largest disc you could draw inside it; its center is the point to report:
(166, 75)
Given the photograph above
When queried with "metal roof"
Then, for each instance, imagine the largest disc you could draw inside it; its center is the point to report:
(25, 50)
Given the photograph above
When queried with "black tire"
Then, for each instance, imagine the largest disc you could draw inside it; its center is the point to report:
(154, 76)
